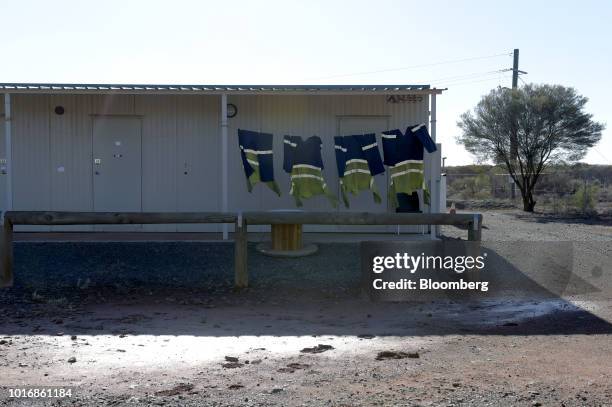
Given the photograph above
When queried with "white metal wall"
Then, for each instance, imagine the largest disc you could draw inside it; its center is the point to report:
(181, 162)
(52, 154)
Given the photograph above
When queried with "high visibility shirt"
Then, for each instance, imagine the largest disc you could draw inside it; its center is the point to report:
(302, 160)
(257, 158)
(404, 156)
(358, 160)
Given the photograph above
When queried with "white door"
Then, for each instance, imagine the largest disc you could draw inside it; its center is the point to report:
(117, 168)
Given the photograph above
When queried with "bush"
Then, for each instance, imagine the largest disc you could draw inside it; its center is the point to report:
(471, 187)
(585, 198)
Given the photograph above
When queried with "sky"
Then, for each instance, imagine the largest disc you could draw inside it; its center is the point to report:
(448, 44)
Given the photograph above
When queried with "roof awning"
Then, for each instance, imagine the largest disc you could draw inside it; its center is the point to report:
(62, 88)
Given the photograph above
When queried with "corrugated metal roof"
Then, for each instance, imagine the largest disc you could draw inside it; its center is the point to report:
(211, 89)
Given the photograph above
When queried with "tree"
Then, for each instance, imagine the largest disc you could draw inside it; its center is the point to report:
(547, 122)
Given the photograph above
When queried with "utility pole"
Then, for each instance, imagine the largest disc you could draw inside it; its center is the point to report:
(514, 136)
(515, 70)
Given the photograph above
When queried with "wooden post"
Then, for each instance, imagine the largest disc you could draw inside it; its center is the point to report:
(241, 272)
(475, 229)
(6, 254)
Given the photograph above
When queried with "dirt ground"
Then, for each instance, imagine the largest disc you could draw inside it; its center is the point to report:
(515, 225)
(120, 326)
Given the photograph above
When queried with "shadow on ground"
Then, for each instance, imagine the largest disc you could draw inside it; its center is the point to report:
(185, 288)
(601, 220)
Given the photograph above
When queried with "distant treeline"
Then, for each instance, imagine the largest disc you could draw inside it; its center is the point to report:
(580, 171)
(580, 186)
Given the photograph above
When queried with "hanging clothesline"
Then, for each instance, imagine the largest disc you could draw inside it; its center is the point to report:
(358, 161)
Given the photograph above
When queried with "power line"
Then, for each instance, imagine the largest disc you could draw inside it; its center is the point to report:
(466, 76)
(602, 156)
(491, 76)
(455, 61)
(477, 81)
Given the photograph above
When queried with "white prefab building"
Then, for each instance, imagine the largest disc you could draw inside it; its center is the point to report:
(175, 148)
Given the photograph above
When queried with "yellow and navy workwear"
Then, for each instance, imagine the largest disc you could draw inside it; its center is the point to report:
(404, 156)
(358, 160)
(257, 158)
(302, 160)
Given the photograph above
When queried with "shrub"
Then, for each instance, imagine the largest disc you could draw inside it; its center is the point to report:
(585, 198)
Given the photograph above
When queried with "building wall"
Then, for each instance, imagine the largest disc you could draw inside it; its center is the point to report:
(181, 163)
(2, 156)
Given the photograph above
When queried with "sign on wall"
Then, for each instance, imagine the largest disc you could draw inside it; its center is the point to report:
(404, 98)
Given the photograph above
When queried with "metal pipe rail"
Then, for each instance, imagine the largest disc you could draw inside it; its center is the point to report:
(473, 223)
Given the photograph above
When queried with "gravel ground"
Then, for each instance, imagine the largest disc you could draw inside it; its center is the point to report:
(515, 225)
(159, 324)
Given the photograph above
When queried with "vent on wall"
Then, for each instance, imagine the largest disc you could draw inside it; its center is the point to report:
(59, 110)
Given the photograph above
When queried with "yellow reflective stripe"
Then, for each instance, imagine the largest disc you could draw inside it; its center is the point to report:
(397, 174)
(415, 128)
(312, 167)
(408, 162)
(307, 176)
(356, 161)
(349, 172)
(369, 146)
(256, 152)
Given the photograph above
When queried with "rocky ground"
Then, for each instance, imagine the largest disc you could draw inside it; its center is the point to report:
(516, 225)
(159, 324)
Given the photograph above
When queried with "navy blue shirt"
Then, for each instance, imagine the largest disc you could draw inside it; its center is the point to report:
(398, 146)
(259, 143)
(361, 146)
(298, 151)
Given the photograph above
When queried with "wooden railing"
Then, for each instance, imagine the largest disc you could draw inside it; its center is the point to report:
(473, 223)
